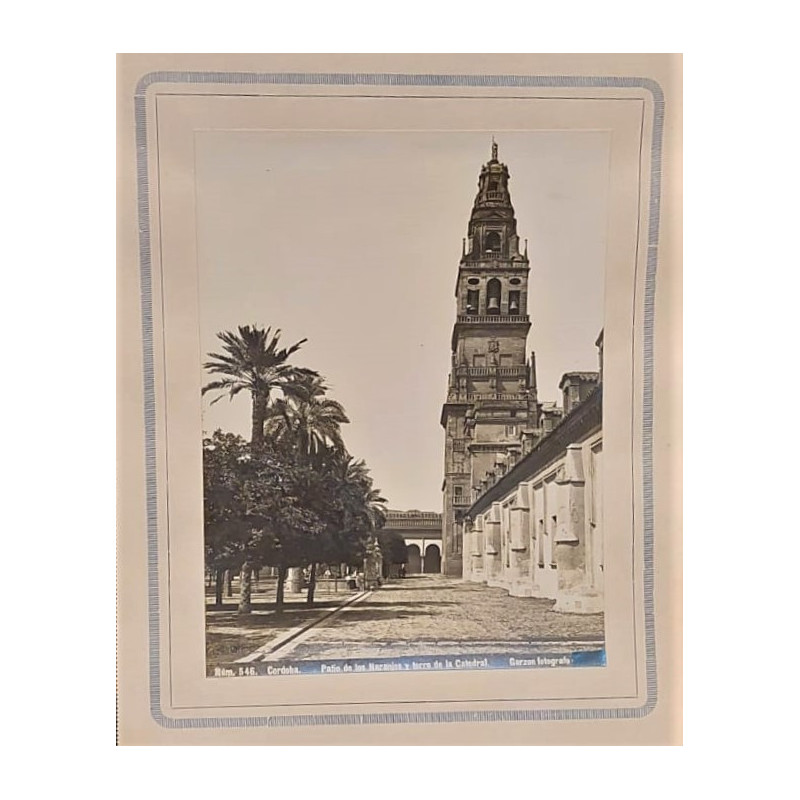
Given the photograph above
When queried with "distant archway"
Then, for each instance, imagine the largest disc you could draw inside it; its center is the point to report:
(414, 563)
(433, 559)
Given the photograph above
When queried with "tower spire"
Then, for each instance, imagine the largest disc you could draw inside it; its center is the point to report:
(494, 149)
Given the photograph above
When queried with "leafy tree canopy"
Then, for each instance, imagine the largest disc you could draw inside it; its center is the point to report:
(393, 547)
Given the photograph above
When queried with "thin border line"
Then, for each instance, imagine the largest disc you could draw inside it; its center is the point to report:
(633, 388)
(391, 97)
(389, 79)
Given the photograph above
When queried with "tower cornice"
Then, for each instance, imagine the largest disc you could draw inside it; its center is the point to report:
(452, 405)
(489, 324)
(494, 264)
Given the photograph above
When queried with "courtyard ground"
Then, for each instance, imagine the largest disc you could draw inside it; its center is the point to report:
(230, 636)
(419, 615)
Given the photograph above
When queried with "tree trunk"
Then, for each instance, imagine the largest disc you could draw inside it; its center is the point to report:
(246, 589)
(279, 594)
(228, 583)
(312, 584)
(259, 415)
(220, 581)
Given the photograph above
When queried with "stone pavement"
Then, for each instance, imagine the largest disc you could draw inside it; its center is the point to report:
(434, 615)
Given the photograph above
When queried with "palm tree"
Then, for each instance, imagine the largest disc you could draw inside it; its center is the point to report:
(350, 507)
(375, 509)
(307, 420)
(363, 509)
(365, 512)
(252, 362)
(309, 425)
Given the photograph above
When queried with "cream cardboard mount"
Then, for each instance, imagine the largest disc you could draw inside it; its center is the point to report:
(560, 499)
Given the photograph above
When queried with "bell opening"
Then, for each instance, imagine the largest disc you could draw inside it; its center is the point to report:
(493, 296)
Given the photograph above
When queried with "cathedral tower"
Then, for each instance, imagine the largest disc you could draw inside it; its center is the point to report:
(491, 408)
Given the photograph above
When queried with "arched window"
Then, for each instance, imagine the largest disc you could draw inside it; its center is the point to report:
(493, 296)
(493, 242)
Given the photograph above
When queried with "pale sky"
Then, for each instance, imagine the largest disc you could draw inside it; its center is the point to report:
(352, 240)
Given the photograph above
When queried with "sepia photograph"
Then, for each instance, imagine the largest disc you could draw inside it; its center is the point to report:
(402, 354)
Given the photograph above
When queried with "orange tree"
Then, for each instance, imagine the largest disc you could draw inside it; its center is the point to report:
(253, 513)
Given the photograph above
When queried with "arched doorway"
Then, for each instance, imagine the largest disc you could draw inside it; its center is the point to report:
(414, 563)
(433, 559)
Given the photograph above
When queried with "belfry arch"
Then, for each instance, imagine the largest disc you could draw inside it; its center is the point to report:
(494, 290)
(493, 243)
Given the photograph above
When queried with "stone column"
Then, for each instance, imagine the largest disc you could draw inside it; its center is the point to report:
(295, 579)
(466, 550)
(373, 565)
(520, 584)
(476, 549)
(492, 564)
(575, 592)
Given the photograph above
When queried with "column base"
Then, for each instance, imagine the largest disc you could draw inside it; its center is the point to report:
(452, 568)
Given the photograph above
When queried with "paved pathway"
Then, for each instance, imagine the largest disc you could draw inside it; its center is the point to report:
(433, 615)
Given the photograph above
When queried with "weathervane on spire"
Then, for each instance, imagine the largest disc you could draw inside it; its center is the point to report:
(494, 149)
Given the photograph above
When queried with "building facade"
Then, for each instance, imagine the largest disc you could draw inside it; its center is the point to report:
(537, 531)
(422, 533)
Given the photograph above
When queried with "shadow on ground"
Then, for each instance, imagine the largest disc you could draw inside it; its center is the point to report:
(230, 635)
(264, 616)
(427, 587)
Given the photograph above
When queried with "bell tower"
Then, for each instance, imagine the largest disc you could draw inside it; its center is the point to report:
(491, 407)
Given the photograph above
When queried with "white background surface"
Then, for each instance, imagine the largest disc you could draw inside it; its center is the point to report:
(741, 317)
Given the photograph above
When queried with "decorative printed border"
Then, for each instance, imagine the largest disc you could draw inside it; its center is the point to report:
(145, 260)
